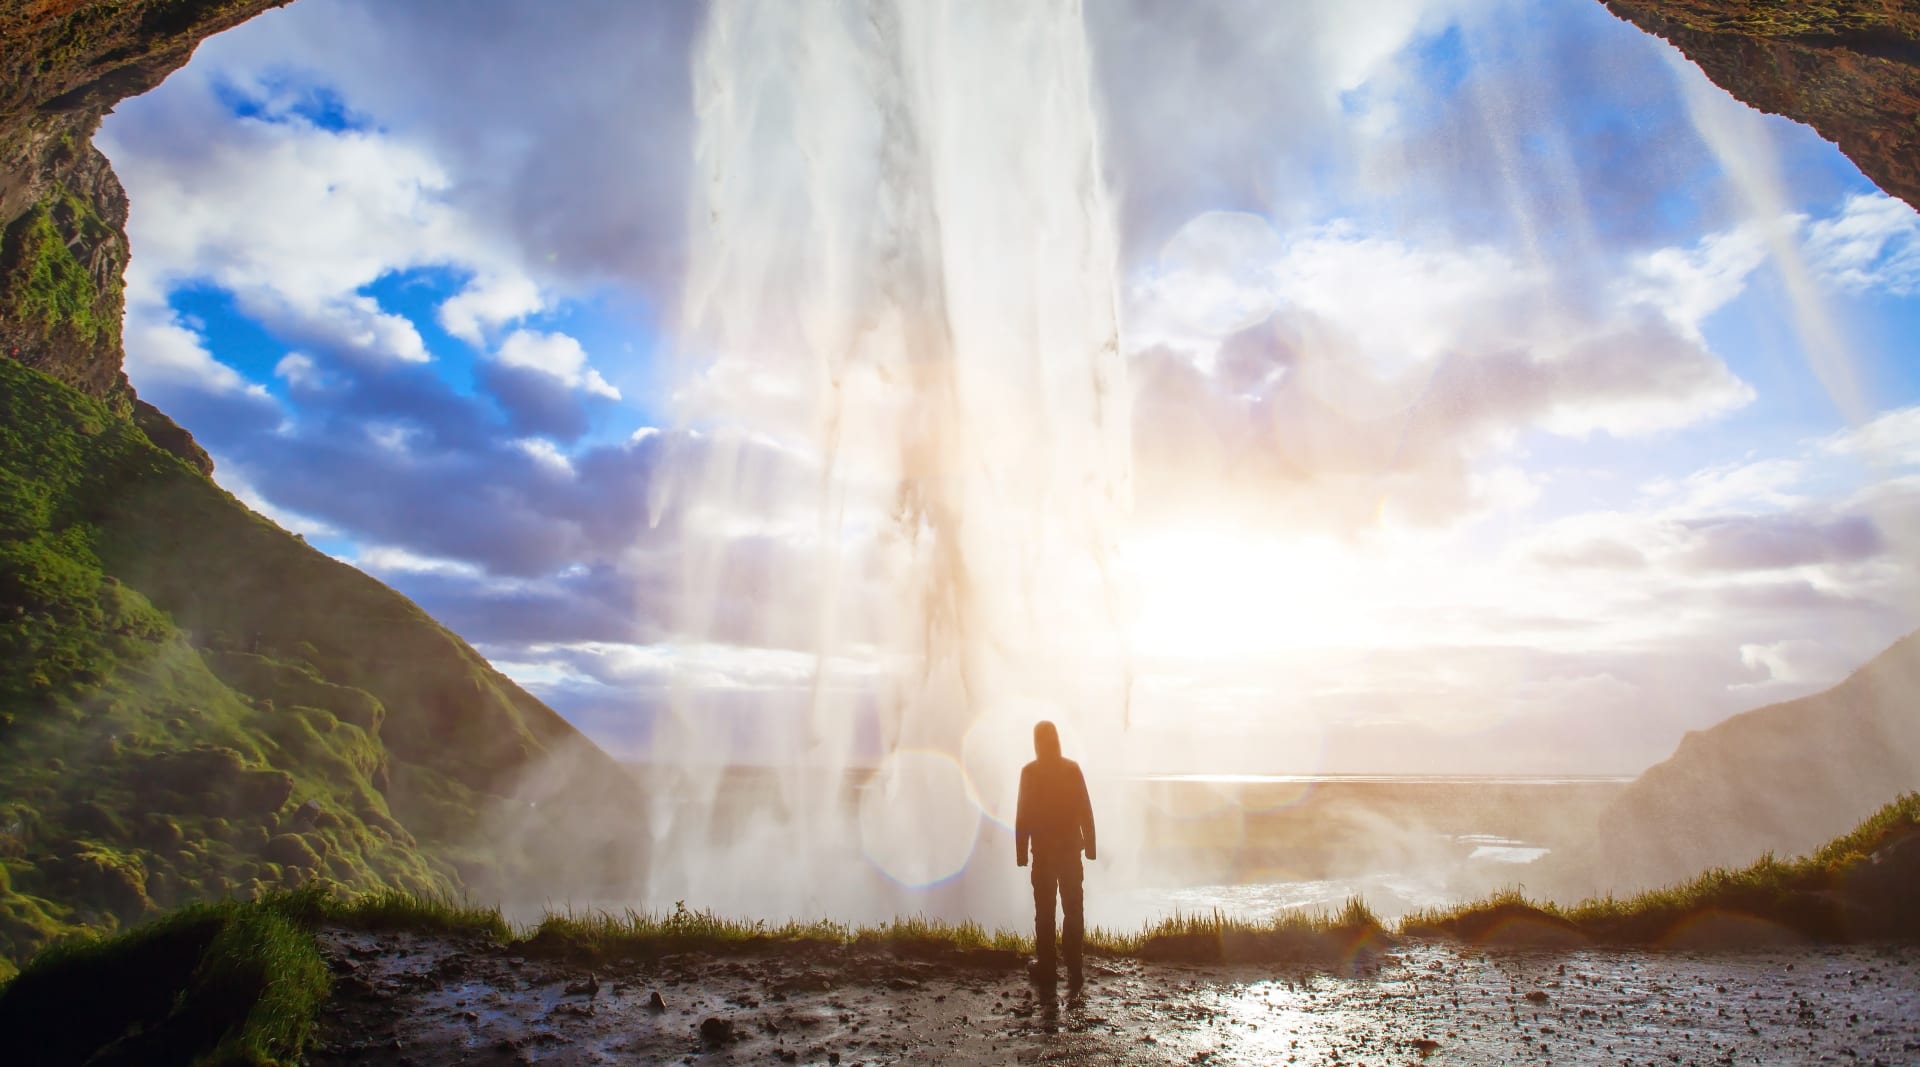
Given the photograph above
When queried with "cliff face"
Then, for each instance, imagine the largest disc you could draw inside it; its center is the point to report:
(1848, 68)
(63, 245)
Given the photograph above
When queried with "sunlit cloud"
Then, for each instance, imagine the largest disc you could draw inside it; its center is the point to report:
(1448, 429)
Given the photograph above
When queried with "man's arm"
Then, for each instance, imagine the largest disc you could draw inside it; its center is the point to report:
(1022, 829)
(1086, 812)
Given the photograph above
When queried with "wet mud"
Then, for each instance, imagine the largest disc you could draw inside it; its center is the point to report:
(426, 1001)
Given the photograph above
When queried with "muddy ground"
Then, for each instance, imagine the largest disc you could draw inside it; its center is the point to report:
(408, 999)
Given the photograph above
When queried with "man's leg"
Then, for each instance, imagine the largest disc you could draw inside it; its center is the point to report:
(1073, 918)
(1044, 882)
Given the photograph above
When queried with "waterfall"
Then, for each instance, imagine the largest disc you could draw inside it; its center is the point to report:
(902, 289)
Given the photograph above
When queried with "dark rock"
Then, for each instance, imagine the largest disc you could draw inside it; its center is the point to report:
(655, 1002)
(305, 815)
(589, 987)
(715, 1030)
(1851, 71)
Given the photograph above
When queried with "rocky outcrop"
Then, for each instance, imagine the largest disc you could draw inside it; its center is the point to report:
(1784, 779)
(63, 244)
(1848, 68)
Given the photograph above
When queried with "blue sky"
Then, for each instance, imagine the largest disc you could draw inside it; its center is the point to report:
(1469, 305)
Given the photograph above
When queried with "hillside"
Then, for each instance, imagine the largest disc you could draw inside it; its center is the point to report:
(193, 702)
(1781, 778)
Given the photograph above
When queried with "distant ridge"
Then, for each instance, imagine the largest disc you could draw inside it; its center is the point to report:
(1783, 778)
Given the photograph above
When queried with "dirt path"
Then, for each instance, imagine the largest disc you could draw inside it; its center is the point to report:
(430, 1002)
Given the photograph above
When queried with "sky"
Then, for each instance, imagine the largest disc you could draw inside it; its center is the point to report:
(1505, 397)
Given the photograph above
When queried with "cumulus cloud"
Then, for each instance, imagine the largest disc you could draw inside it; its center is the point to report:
(557, 356)
(1385, 374)
(1891, 438)
(1314, 360)
(162, 350)
(292, 219)
(1872, 244)
(562, 132)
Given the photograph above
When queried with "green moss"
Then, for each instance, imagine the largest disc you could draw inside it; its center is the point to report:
(51, 285)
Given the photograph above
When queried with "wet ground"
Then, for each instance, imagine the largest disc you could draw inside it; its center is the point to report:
(407, 999)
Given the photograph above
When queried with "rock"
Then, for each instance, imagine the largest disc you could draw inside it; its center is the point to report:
(715, 1030)
(1537, 996)
(587, 987)
(305, 815)
(655, 1002)
(1850, 71)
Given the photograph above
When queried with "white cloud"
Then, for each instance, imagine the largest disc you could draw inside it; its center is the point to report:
(545, 453)
(393, 437)
(298, 369)
(1872, 244)
(1801, 662)
(1391, 376)
(488, 303)
(557, 356)
(387, 559)
(297, 220)
(161, 348)
(1763, 484)
(1891, 439)
(1689, 284)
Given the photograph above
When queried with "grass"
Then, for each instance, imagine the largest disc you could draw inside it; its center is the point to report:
(229, 983)
(240, 982)
(1821, 896)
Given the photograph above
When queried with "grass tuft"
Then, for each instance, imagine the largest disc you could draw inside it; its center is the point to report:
(396, 909)
(241, 983)
(230, 983)
(1833, 894)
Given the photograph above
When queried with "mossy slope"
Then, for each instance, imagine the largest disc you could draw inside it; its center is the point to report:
(194, 703)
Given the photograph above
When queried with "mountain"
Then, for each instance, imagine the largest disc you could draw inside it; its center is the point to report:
(1783, 778)
(1848, 68)
(193, 702)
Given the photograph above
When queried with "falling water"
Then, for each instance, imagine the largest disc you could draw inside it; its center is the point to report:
(913, 428)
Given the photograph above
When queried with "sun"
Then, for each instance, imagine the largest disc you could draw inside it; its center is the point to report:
(1216, 593)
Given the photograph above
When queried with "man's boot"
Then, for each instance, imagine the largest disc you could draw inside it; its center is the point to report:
(1041, 972)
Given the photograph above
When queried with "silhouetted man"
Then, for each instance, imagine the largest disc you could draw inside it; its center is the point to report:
(1056, 820)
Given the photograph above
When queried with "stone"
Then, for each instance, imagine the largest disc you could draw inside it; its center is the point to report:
(715, 1030)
